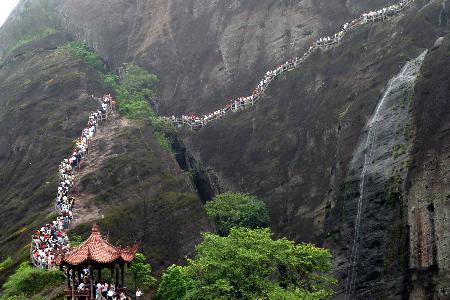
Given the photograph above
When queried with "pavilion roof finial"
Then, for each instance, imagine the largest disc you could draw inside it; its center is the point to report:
(95, 229)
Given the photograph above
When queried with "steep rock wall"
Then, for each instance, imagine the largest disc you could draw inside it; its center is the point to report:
(428, 181)
(295, 148)
(43, 105)
(129, 184)
(205, 52)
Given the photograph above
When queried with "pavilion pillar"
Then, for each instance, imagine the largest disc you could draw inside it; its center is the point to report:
(68, 278)
(121, 274)
(91, 283)
(117, 274)
(99, 274)
(73, 284)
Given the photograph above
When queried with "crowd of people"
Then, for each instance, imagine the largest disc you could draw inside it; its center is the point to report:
(51, 239)
(104, 290)
(196, 122)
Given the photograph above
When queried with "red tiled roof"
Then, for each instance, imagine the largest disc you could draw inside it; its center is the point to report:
(95, 248)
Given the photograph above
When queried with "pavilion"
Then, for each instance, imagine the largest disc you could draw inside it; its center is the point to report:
(93, 255)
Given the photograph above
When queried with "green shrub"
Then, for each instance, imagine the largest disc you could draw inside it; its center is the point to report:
(29, 281)
(86, 54)
(230, 210)
(250, 264)
(133, 88)
(76, 240)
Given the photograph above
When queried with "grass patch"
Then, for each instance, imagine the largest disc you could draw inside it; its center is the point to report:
(399, 150)
(393, 190)
(35, 21)
(86, 54)
(396, 253)
(29, 38)
(29, 281)
(6, 263)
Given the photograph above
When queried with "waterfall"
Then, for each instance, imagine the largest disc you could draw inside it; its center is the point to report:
(398, 84)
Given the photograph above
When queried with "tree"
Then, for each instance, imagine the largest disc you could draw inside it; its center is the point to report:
(142, 271)
(230, 210)
(137, 82)
(250, 264)
(175, 283)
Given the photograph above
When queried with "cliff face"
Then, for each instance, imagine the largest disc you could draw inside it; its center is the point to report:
(43, 106)
(303, 149)
(205, 52)
(428, 183)
(129, 185)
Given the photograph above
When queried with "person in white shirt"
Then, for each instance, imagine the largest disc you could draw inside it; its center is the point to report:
(138, 294)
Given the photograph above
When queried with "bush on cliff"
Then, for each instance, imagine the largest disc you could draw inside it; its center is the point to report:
(250, 264)
(133, 88)
(230, 210)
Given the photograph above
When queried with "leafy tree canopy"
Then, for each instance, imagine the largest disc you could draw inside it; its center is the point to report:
(250, 264)
(237, 210)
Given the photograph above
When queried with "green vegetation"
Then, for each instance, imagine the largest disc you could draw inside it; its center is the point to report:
(35, 21)
(141, 271)
(29, 38)
(87, 55)
(408, 133)
(230, 210)
(175, 283)
(22, 297)
(76, 240)
(393, 191)
(28, 280)
(399, 150)
(6, 263)
(250, 264)
(396, 249)
(133, 88)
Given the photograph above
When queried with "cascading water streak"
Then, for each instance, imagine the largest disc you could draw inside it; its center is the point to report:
(405, 79)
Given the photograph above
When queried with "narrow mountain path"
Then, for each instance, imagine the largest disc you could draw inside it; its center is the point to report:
(85, 211)
(51, 239)
(196, 122)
